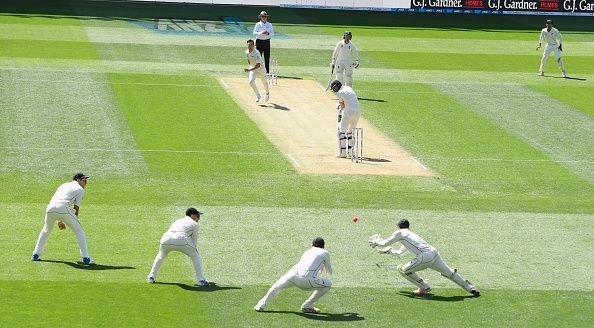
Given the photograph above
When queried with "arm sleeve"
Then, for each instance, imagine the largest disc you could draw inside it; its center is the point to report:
(256, 29)
(271, 32)
(541, 37)
(390, 240)
(258, 58)
(327, 264)
(195, 234)
(356, 54)
(79, 197)
(335, 53)
(560, 38)
(401, 250)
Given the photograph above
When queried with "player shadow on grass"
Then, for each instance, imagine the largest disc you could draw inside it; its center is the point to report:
(566, 78)
(212, 287)
(349, 316)
(371, 99)
(92, 267)
(433, 297)
(275, 106)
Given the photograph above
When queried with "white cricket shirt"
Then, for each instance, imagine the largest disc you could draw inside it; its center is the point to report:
(182, 232)
(409, 240)
(68, 194)
(347, 94)
(254, 58)
(551, 36)
(345, 52)
(314, 260)
(261, 27)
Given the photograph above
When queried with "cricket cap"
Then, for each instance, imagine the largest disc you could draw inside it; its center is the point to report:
(193, 211)
(318, 242)
(403, 224)
(79, 175)
(550, 21)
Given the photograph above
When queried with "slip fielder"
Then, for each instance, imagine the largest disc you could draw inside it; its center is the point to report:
(64, 208)
(426, 257)
(256, 69)
(349, 114)
(342, 59)
(305, 275)
(551, 34)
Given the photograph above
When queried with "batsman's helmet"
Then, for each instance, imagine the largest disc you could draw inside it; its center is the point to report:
(318, 242)
(348, 33)
(403, 224)
(335, 85)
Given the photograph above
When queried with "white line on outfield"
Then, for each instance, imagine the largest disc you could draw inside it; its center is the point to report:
(136, 150)
(506, 160)
(321, 87)
(224, 84)
(119, 83)
(420, 164)
(294, 160)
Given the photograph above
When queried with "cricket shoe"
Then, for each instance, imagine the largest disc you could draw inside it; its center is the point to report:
(259, 308)
(88, 261)
(310, 310)
(266, 97)
(35, 257)
(540, 73)
(422, 291)
(150, 279)
(340, 155)
(258, 98)
(203, 283)
(475, 292)
(563, 74)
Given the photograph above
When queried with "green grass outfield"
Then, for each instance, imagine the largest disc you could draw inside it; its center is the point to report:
(142, 113)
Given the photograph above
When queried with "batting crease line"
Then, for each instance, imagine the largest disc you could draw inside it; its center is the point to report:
(224, 84)
(294, 160)
(506, 160)
(139, 150)
(421, 164)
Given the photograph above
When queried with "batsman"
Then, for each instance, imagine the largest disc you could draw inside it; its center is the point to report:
(348, 116)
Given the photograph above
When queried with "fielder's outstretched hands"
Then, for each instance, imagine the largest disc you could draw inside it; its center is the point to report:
(385, 250)
(374, 240)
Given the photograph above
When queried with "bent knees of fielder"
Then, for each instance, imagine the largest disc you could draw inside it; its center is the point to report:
(282, 283)
(158, 261)
(315, 296)
(413, 277)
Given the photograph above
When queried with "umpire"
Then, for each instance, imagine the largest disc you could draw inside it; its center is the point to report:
(263, 31)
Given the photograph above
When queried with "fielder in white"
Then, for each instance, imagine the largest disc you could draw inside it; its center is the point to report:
(554, 44)
(426, 257)
(349, 113)
(256, 69)
(344, 58)
(305, 275)
(64, 208)
(181, 237)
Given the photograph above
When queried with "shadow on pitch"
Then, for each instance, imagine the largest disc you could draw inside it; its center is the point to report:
(566, 78)
(275, 106)
(349, 316)
(371, 99)
(433, 297)
(376, 160)
(212, 287)
(92, 267)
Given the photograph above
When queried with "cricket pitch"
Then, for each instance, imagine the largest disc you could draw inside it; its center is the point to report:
(301, 121)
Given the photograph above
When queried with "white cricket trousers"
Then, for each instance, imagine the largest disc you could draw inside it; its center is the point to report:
(345, 68)
(189, 250)
(261, 74)
(547, 51)
(431, 260)
(347, 124)
(65, 214)
(308, 281)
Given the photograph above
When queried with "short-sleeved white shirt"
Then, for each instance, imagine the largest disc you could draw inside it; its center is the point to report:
(68, 194)
(182, 232)
(313, 261)
(347, 94)
(261, 27)
(254, 57)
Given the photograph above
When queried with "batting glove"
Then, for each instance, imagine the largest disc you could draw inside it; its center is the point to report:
(560, 48)
(357, 64)
(374, 240)
(332, 64)
(538, 47)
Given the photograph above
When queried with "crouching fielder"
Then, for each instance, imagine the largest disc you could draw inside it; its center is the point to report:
(426, 257)
(305, 275)
(181, 237)
(256, 69)
(349, 114)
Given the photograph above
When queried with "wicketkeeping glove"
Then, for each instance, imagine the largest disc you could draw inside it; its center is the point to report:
(374, 240)
(384, 250)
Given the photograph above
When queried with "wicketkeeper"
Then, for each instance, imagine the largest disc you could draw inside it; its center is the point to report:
(426, 257)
